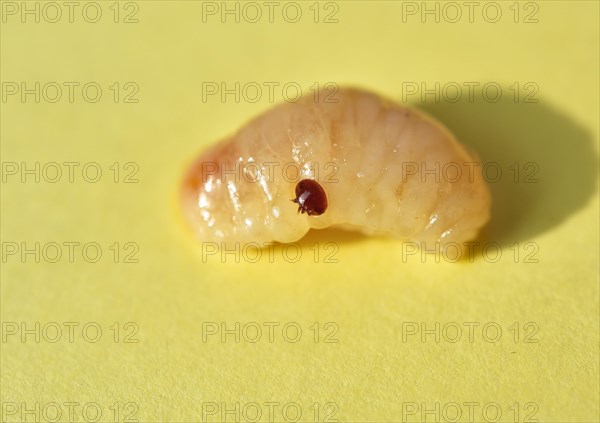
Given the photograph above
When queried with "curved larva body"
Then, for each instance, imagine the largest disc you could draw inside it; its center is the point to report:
(372, 159)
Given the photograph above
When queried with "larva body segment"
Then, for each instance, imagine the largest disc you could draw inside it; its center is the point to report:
(386, 170)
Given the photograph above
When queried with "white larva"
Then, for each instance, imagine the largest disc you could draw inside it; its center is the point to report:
(386, 170)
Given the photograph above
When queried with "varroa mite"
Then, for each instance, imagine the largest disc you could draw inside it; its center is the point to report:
(310, 197)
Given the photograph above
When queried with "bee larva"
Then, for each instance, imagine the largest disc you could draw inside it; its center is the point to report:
(351, 160)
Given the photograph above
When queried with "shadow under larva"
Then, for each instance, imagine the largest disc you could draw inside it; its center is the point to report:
(548, 161)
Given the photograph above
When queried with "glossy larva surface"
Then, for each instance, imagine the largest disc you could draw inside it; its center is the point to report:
(370, 156)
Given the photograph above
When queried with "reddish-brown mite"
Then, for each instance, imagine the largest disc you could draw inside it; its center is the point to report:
(310, 197)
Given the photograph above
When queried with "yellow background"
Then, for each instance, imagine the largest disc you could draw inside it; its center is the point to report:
(371, 293)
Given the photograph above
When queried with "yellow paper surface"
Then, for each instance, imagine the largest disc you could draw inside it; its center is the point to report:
(363, 330)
